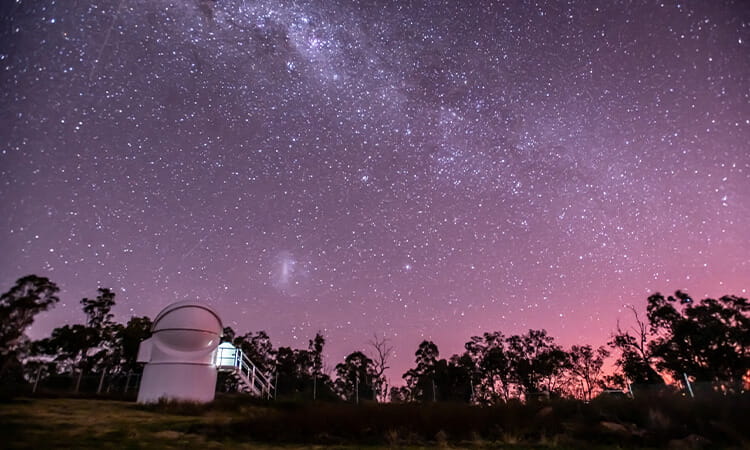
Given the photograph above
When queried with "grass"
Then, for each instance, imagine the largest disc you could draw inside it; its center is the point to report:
(241, 422)
(86, 423)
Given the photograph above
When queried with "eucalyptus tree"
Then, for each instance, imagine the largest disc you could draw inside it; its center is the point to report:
(29, 296)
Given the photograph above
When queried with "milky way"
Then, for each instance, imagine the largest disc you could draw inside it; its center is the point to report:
(413, 169)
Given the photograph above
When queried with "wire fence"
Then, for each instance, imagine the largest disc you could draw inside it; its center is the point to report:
(691, 387)
(126, 384)
(97, 383)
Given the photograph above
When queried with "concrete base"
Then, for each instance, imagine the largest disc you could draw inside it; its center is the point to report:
(179, 382)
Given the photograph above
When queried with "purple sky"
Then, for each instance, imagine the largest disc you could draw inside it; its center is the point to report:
(413, 169)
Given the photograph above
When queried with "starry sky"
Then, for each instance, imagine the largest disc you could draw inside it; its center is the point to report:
(417, 169)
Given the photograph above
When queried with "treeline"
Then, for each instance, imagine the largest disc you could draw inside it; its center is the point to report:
(679, 340)
(682, 340)
(99, 344)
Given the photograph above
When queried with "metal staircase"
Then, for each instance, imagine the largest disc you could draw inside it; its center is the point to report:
(231, 359)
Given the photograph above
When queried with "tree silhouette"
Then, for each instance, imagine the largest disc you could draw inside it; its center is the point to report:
(228, 335)
(381, 353)
(65, 345)
(538, 363)
(100, 349)
(258, 348)
(453, 379)
(636, 360)
(128, 339)
(294, 370)
(400, 394)
(89, 346)
(98, 310)
(18, 307)
(586, 364)
(356, 377)
(709, 341)
(436, 379)
(421, 380)
(315, 349)
(492, 376)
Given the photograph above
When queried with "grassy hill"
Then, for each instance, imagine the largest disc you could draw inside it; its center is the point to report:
(240, 422)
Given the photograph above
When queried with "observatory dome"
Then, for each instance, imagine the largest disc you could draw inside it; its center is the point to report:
(179, 354)
(186, 327)
(187, 315)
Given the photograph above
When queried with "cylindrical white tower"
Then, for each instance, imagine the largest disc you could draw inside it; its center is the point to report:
(179, 355)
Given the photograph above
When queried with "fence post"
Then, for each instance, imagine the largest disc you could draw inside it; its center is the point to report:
(101, 382)
(36, 380)
(78, 380)
(127, 381)
(687, 383)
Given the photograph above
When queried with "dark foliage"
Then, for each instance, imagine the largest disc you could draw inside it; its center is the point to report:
(708, 340)
(357, 378)
(604, 421)
(18, 307)
(491, 368)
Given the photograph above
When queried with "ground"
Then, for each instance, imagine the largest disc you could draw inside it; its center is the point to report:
(92, 423)
(87, 423)
(240, 422)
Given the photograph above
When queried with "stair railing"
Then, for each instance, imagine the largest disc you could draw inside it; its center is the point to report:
(257, 382)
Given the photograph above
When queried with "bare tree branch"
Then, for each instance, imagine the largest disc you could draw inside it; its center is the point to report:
(380, 355)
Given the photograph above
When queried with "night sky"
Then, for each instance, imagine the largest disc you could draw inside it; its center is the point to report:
(417, 169)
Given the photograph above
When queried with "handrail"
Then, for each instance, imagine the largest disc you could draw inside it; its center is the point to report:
(249, 372)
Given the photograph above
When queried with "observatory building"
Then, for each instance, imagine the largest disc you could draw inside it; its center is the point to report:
(183, 357)
(180, 354)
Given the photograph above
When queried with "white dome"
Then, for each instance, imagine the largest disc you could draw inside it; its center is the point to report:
(186, 340)
(188, 316)
(179, 355)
